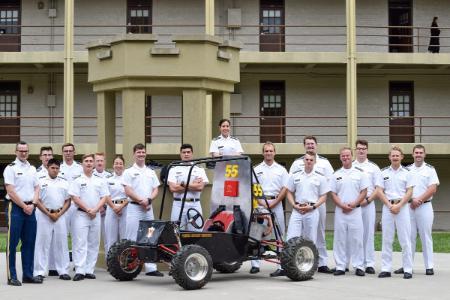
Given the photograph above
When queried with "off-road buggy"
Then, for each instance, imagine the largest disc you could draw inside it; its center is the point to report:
(233, 233)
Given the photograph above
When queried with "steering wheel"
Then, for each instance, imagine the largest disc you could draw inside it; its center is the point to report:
(195, 218)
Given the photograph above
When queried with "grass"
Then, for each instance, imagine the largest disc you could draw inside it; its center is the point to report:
(441, 242)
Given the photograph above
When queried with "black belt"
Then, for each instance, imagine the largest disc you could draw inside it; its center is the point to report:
(187, 199)
(80, 209)
(28, 202)
(395, 201)
(120, 201)
(410, 200)
(305, 204)
(53, 211)
(271, 197)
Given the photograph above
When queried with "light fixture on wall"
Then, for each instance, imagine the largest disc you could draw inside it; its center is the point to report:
(40, 5)
(30, 89)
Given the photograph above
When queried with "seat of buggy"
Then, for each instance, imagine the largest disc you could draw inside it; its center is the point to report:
(222, 222)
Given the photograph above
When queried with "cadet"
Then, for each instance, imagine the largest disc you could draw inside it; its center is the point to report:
(324, 167)
(141, 187)
(22, 190)
(373, 173)
(89, 195)
(273, 178)
(348, 190)
(53, 202)
(116, 213)
(225, 144)
(421, 210)
(397, 190)
(307, 191)
(177, 180)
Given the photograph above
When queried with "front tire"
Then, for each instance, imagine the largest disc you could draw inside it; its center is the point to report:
(228, 267)
(123, 262)
(299, 259)
(191, 267)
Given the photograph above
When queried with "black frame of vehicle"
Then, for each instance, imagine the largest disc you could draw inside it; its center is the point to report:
(193, 255)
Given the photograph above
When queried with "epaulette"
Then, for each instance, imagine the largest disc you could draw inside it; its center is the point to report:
(43, 176)
(359, 169)
(295, 172)
(109, 175)
(216, 138)
(428, 165)
(61, 177)
(385, 168)
(234, 138)
(77, 177)
(39, 169)
(97, 175)
(12, 164)
(78, 163)
(322, 157)
(320, 173)
(406, 168)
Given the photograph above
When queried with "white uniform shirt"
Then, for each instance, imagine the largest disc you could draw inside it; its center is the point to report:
(179, 174)
(225, 145)
(89, 189)
(142, 180)
(53, 192)
(272, 178)
(322, 165)
(307, 187)
(396, 182)
(348, 183)
(41, 172)
(22, 176)
(105, 174)
(71, 172)
(373, 172)
(425, 176)
(116, 188)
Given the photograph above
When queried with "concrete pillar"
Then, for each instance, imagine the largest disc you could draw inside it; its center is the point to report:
(209, 17)
(106, 125)
(133, 118)
(197, 110)
(220, 109)
(68, 71)
(352, 109)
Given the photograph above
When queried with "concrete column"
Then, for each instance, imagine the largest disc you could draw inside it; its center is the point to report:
(197, 110)
(352, 109)
(133, 119)
(209, 17)
(68, 71)
(220, 109)
(106, 125)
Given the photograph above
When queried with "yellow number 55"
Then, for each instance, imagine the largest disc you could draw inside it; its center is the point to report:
(232, 171)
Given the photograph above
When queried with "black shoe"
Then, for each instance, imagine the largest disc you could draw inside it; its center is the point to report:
(339, 273)
(14, 282)
(324, 269)
(65, 277)
(53, 273)
(407, 275)
(384, 274)
(429, 271)
(35, 279)
(78, 277)
(89, 276)
(40, 277)
(278, 272)
(254, 270)
(399, 271)
(360, 272)
(370, 270)
(155, 273)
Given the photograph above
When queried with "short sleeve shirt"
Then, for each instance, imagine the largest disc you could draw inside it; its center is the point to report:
(425, 176)
(396, 182)
(115, 186)
(226, 145)
(322, 165)
(179, 174)
(22, 176)
(349, 183)
(89, 189)
(142, 180)
(307, 187)
(373, 173)
(53, 192)
(272, 178)
(70, 172)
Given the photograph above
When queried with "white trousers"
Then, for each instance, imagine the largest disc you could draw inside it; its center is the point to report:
(115, 227)
(176, 208)
(85, 242)
(422, 223)
(348, 228)
(368, 218)
(70, 215)
(402, 223)
(135, 213)
(51, 237)
(303, 225)
(320, 241)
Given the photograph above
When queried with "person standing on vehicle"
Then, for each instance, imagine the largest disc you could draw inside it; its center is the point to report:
(324, 167)
(398, 184)
(141, 187)
(373, 172)
(225, 144)
(177, 181)
(51, 237)
(273, 178)
(22, 193)
(89, 194)
(348, 189)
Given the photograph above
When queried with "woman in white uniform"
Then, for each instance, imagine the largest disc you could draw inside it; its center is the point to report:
(225, 144)
(115, 219)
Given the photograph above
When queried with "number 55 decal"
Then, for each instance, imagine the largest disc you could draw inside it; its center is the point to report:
(232, 171)
(257, 190)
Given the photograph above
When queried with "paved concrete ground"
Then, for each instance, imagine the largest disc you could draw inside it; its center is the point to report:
(242, 285)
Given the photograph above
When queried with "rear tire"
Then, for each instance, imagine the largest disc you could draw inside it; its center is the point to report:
(191, 267)
(228, 267)
(299, 259)
(123, 262)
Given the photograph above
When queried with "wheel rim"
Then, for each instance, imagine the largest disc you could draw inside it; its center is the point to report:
(304, 259)
(129, 261)
(196, 266)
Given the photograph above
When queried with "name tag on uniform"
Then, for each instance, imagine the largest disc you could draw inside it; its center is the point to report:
(339, 178)
(386, 178)
(19, 173)
(111, 183)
